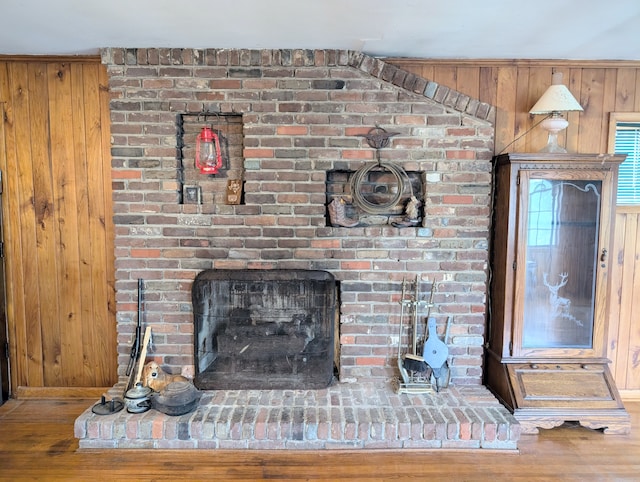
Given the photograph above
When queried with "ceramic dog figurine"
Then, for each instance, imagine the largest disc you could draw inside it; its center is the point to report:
(157, 379)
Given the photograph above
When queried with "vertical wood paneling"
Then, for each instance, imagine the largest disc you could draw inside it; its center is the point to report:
(632, 359)
(468, 81)
(625, 90)
(624, 329)
(488, 82)
(82, 248)
(59, 234)
(81, 141)
(426, 71)
(574, 81)
(539, 81)
(97, 281)
(10, 204)
(505, 109)
(608, 104)
(445, 75)
(105, 293)
(523, 121)
(24, 149)
(592, 99)
(614, 338)
(44, 211)
(66, 224)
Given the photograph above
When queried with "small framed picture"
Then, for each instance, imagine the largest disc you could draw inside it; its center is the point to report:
(192, 195)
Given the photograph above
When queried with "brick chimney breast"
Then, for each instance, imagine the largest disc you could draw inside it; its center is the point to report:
(290, 116)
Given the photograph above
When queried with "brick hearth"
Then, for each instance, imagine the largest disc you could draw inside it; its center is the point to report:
(343, 416)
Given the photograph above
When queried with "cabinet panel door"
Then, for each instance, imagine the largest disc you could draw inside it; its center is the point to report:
(569, 385)
(561, 261)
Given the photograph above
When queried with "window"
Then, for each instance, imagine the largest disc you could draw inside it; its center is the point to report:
(624, 138)
(542, 226)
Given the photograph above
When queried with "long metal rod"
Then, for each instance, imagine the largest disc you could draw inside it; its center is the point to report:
(137, 342)
(429, 306)
(414, 342)
(401, 368)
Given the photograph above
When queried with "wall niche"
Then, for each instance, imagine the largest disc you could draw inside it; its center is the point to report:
(225, 186)
(375, 195)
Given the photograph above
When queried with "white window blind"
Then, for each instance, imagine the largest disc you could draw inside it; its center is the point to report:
(628, 142)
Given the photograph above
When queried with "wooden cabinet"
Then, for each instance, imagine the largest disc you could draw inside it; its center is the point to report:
(546, 346)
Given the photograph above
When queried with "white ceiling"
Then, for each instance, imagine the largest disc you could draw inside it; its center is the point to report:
(449, 29)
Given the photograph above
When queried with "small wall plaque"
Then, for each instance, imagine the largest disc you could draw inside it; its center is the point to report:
(234, 191)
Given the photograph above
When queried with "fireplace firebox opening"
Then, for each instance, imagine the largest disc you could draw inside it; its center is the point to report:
(264, 329)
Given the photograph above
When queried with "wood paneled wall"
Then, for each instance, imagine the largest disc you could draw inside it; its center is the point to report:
(55, 156)
(624, 338)
(601, 88)
(514, 86)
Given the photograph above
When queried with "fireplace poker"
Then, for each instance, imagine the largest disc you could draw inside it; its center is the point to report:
(429, 306)
(403, 371)
(137, 341)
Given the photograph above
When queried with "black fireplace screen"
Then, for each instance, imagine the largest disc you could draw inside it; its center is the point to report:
(264, 329)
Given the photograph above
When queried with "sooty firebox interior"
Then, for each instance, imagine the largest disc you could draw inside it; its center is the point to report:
(264, 329)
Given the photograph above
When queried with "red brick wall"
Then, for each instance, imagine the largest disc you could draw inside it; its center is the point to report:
(301, 111)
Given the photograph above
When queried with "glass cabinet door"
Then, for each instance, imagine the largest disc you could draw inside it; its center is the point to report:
(561, 226)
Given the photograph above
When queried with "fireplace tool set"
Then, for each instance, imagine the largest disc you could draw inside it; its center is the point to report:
(177, 397)
(424, 365)
(139, 345)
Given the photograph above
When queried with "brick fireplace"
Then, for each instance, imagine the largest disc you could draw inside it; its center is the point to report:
(299, 115)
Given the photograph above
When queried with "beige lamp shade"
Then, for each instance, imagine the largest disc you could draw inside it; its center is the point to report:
(556, 98)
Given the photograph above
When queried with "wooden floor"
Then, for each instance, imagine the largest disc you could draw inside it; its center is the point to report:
(37, 443)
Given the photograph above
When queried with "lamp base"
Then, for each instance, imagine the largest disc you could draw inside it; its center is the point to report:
(552, 144)
(554, 124)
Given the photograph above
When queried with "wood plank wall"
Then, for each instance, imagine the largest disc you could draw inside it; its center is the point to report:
(58, 228)
(601, 88)
(624, 339)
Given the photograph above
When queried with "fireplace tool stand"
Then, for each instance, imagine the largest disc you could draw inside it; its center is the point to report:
(415, 373)
(424, 365)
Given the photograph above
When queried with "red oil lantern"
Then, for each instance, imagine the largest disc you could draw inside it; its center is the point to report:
(208, 156)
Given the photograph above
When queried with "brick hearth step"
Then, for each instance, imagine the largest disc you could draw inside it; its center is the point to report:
(342, 416)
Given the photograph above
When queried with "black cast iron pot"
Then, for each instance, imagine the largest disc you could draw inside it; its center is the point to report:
(177, 398)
